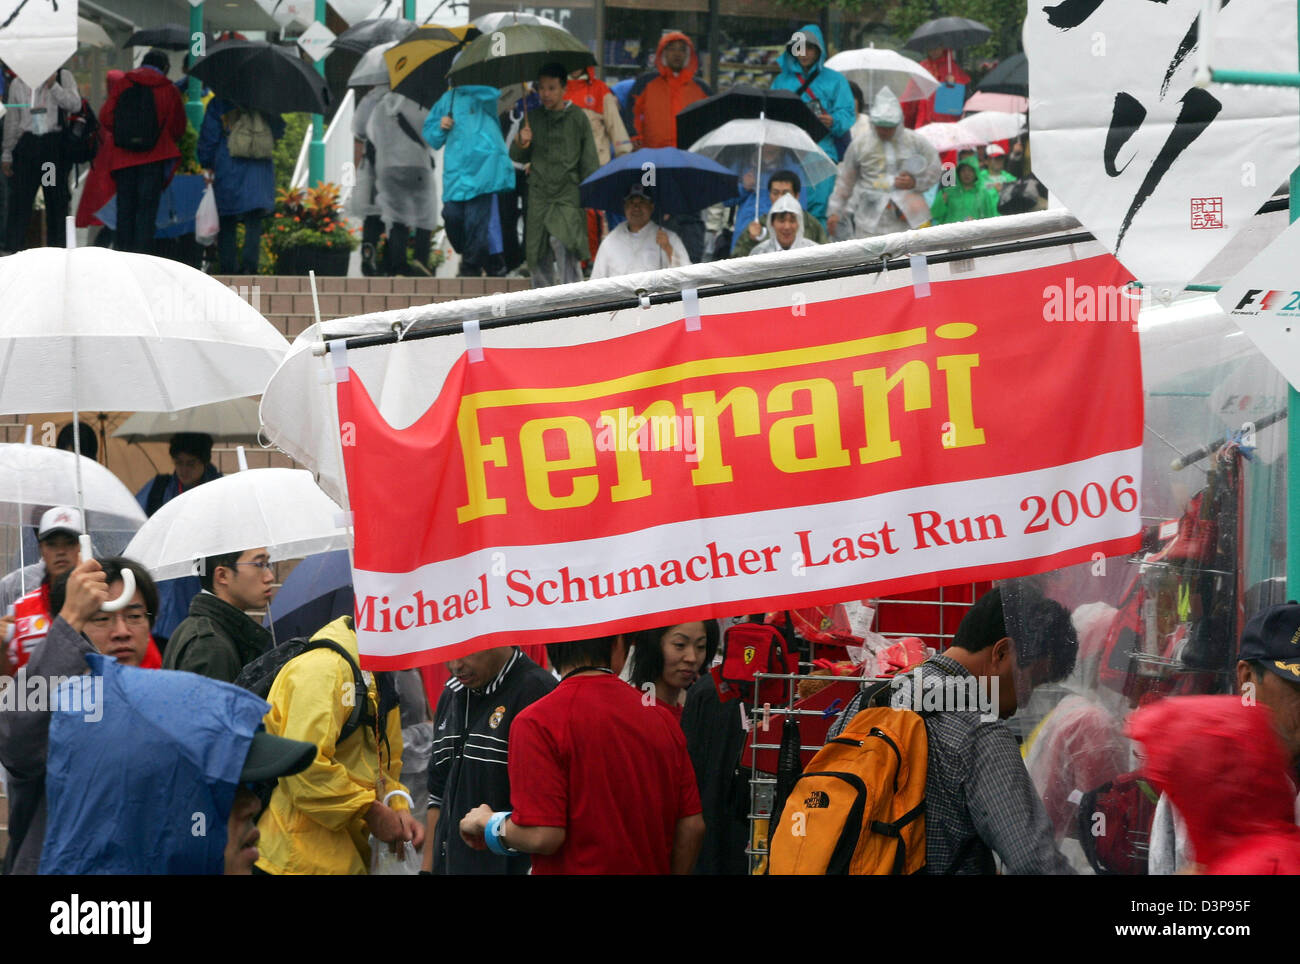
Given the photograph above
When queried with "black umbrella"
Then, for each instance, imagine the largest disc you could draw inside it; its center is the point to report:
(262, 76)
(361, 36)
(953, 32)
(1009, 77)
(740, 102)
(170, 36)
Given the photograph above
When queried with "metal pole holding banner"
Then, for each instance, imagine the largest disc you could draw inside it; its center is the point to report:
(1268, 79)
(316, 154)
(194, 106)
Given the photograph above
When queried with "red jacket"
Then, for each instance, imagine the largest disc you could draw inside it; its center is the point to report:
(918, 113)
(171, 120)
(1226, 772)
(658, 105)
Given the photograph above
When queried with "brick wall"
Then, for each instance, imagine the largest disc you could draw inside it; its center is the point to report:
(287, 303)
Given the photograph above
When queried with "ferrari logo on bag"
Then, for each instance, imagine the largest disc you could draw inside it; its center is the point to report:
(750, 653)
(497, 716)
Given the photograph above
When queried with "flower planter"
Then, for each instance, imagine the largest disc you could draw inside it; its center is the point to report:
(326, 262)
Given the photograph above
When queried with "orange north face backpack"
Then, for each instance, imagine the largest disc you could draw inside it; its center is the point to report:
(859, 808)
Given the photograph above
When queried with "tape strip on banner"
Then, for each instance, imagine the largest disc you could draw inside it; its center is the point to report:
(339, 358)
(691, 306)
(473, 339)
(920, 276)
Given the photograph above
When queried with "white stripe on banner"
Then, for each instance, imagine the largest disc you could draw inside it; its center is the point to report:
(763, 555)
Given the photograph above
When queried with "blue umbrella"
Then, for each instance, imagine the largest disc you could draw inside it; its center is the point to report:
(142, 770)
(176, 209)
(317, 592)
(679, 182)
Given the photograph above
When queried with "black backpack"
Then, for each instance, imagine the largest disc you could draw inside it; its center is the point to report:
(259, 675)
(135, 124)
(80, 134)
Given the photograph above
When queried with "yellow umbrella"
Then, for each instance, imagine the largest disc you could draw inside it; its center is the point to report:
(417, 67)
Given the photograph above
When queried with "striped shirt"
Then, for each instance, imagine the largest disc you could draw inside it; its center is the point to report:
(470, 756)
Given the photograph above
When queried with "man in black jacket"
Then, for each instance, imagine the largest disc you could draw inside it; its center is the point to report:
(217, 639)
(472, 729)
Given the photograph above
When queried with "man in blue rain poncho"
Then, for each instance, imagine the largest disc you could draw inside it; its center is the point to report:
(149, 771)
(826, 91)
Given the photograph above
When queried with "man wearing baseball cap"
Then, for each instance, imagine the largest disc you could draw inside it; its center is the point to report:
(638, 244)
(1268, 669)
(1268, 673)
(26, 618)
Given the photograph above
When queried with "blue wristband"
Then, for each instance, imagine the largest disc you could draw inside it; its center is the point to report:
(492, 835)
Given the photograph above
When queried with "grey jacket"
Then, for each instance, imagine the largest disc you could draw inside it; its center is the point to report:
(24, 741)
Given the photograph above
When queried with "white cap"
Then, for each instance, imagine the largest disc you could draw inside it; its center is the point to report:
(62, 518)
(885, 109)
(995, 150)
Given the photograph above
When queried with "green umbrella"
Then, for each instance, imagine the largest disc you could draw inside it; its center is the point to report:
(517, 52)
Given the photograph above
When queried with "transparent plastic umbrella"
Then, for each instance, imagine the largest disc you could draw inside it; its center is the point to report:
(371, 69)
(92, 328)
(282, 509)
(982, 128)
(873, 68)
(233, 421)
(757, 143)
(34, 478)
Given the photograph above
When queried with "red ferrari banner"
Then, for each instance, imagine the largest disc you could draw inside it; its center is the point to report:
(781, 456)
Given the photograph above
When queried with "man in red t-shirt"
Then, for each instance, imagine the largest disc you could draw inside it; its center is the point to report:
(601, 783)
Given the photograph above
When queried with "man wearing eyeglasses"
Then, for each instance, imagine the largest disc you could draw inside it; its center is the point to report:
(81, 627)
(218, 639)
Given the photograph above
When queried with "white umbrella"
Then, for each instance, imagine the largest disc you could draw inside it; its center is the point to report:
(282, 509)
(982, 128)
(495, 21)
(91, 34)
(231, 421)
(100, 329)
(993, 125)
(371, 69)
(872, 69)
(42, 476)
(93, 328)
(737, 145)
(34, 478)
(947, 136)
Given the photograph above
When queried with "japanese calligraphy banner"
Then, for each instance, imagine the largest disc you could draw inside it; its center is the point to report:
(792, 452)
(1162, 171)
(36, 37)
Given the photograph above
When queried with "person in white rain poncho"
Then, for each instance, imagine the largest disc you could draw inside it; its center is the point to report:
(882, 180)
(638, 244)
(364, 202)
(406, 194)
(785, 224)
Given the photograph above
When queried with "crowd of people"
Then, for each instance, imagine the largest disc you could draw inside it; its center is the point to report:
(510, 199)
(620, 754)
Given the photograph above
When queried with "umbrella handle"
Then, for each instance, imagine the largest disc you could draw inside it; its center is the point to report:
(128, 580)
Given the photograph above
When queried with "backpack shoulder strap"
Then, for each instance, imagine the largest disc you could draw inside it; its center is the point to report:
(357, 716)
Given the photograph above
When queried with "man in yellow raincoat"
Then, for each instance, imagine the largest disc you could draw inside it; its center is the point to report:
(319, 820)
